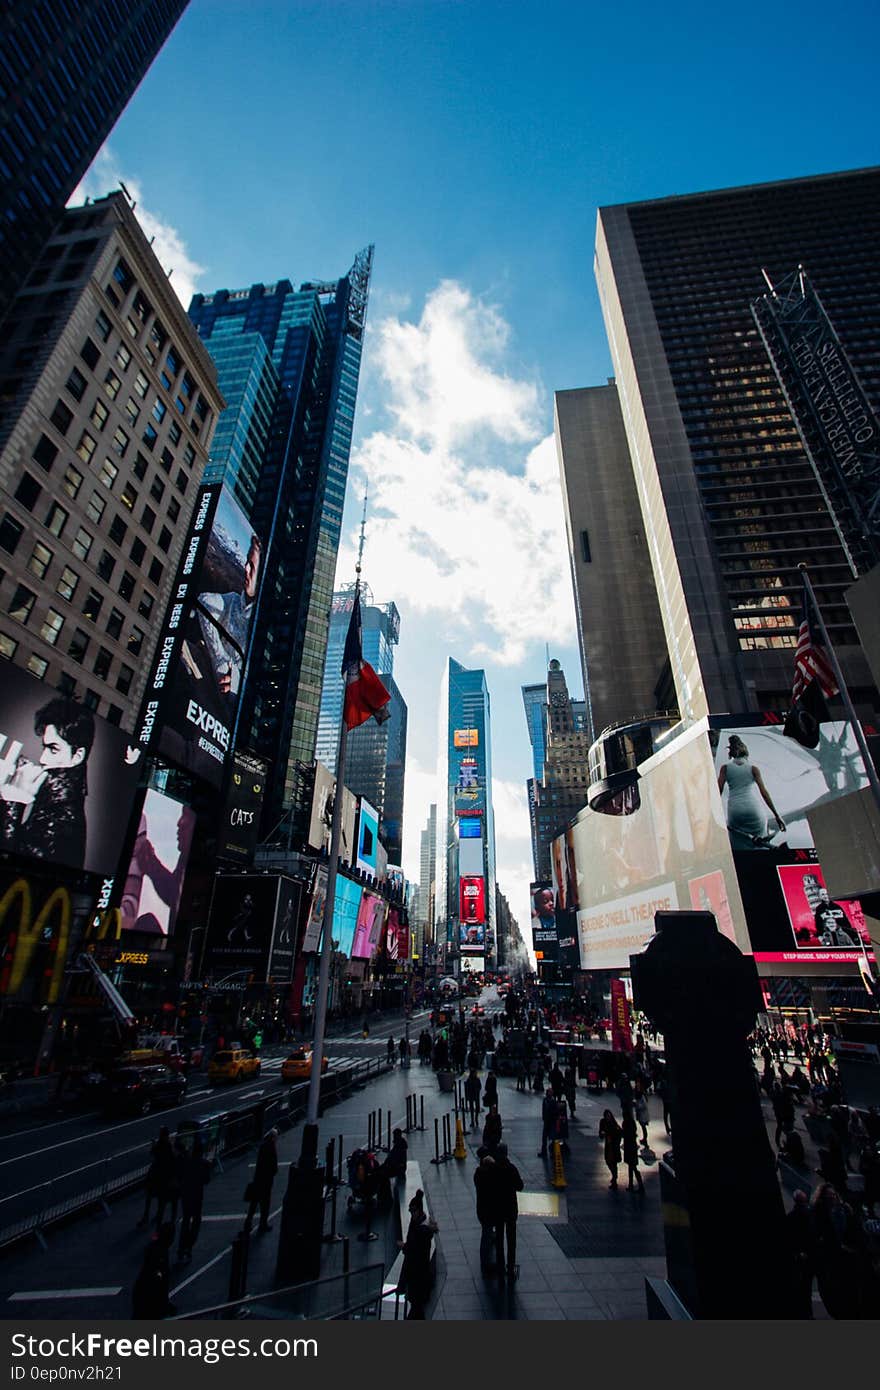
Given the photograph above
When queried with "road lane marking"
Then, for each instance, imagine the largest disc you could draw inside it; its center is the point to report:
(210, 1265)
(40, 1295)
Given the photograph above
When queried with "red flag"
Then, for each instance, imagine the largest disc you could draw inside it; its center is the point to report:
(365, 695)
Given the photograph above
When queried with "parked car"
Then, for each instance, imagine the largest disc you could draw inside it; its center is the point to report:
(138, 1090)
(298, 1066)
(233, 1064)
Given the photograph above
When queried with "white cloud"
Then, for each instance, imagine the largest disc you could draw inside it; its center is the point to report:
(105, 176)
(466, 513)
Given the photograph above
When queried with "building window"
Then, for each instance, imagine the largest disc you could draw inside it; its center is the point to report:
(120, 441)
(8, 647)
(91, 699)
(145, 607)
(112, 384)
(66, 585)
(72, 481)
(118, 529)
(79, 644)
(45, 453)
(148, 519)
(175, 434)
(159, 411)
(82, 543)
(173, 509)
(123, 276)
(164, 539)
(585, 547)
(66, 684)
(157, 489)
(108, 473)
(139, 467)
(180, 482)
(133, 327)
(11, 532)
(114, 623)
(93, 605)
(158, 337)
(90, 353)
(100, 415)
(112, 296)
(28, 492)
(129, 496)
(37, 665)
(156, 571)
(189, 455)
(166, 458)
(86, 447)
(105, 566)
(126, 586)
(76, 384)
(56, 519)
(95, 509)
(22, 603)
(142, 307)
(114, 714)
(122, 357)
(61, 417)
(124, 679)
(41, 559)
(142, 384)
(135, 641)
(138, 550)
(132, 411)
(149, 437)
(52, 626)
(103, 326)
(103, 662)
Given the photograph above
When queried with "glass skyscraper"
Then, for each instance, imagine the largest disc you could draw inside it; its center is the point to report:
(287, 448)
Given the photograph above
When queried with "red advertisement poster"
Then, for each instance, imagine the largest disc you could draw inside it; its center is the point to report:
(818, 923)
(709, 894)
(472, 905)
(621, 1037)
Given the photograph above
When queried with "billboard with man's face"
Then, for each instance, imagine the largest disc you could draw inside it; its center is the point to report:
(67, 778)
(201, 654)
(154, 882)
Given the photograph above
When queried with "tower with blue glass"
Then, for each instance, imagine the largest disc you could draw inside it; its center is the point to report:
(291, 358)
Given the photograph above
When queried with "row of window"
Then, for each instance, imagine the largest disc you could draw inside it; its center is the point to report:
(21, 607)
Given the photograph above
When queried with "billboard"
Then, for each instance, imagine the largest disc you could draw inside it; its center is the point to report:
(283, 949)
(397, 938)
(241, 925)
(195, 688)
(470, 855)
(472, 913)
(469, 829)
(67, 778)
(368, 930)
(473, 965)
(156, 870)
(466, 738)
(312, 933)
(240, 828)
(543, 920)
(321, 815)
(345, 914)
(367, 837)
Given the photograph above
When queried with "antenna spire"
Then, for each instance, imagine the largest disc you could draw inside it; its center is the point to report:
(357, 568)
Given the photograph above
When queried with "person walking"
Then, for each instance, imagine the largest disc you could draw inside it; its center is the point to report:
(509, 1184)
(640, 1103)
(259, 1191)
(490, 1090)
(195, 1173)
(611, 1133)
(149, 1296)
(472, 1092)
(415, 1276)
(801, 1239)
(783, 1109)
(631, 1150)
(492, 1130)
(557, 1081)
(390, 1050)
(549, 1118)
(488, 1211)
(521, 1075)
(403, 1049)
(161, 1181)
(569, 1085)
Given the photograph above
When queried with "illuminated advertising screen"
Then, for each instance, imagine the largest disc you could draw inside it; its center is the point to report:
(613, 872)
(368, 929)
(154, 882)
(397, 938)
(312, 933)
(469, 829)
(240, 828)
(345, 914)
(67, 778)
(473, 965)
(283, 949)
(466, 738)
(472, 913)
(367, 838)
(768, 785)
(470, 857)
(202, 650)
(543, 920)
(241, 925)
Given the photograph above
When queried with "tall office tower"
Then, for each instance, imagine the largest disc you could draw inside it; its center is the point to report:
(428, 874)
(563, 791)
(380, 628)
(465, 824)
(729, 499)
(623, 651)
(314, 337)
(111, 404)
(67, 71)
(535, 702)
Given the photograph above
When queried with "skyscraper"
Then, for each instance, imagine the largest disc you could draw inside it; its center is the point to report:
(111, 404)
(466, 827)
(729, 500)
(427, 876)
(313, 337)
(563, 791)
(67, 71)
(622, 661)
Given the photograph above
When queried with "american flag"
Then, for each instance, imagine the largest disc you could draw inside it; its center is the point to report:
(811, 660)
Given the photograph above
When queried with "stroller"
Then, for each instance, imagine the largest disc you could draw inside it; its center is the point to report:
(364, 1177)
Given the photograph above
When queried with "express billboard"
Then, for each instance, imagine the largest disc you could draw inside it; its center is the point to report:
(67, 778)
(240, 827)
(195, 687)
(156, 870)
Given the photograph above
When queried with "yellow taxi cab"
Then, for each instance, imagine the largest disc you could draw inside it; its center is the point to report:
(298, 1066)
(233, 1064)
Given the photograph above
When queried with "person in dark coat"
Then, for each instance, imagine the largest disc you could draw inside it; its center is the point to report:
(390, 1051)
(490, 1090)
(492, 1130)
(194, 1173)
(398, 1156)
(631, 1149)
(624, 1089)
(260, 1189)
(472, 1093)
(149, 1297)
(488, 1211)
(611, 1133)
(509, 1184)
(802, 1245)
(557, 1081)
(161, 1181)
(549, 1119)
(415, 1277)
(569, 1085)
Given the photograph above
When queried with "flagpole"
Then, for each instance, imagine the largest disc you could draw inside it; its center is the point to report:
(870, 770)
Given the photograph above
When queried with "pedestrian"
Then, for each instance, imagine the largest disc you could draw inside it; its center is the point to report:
(624, 1089)
(509, 1184)
(415, 1276)
(549, 1118)
(472, 1092)
(538, 1082)
(569, 1085)
(557, 1081)
(488, 1211)
(640, 1102)
(161, 1181)
(521, 1075)
(831, 1219)
(661, 1088)
(492, 1130)
(195, 1173)
(802, 1246)
(389, 1049)
(403, 1049)
(149, 1296)
(631, 1150)
(611, 1133)
(490, 1090)
(783, 1109)
(258, 1192)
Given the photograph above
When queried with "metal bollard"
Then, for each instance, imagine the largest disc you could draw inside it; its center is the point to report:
(329, 1163)
(346, 1255)
(436, 1158)
(238, 1265)
(379, 1140)
(447, 1147)
(339, 1160)
(389, 1129)
(421, 1112)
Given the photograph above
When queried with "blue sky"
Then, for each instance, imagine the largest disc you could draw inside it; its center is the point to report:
(472, 141)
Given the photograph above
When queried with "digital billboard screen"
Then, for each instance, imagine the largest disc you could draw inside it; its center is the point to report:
(345, 914)
(283, 948)
(397, 938)
(543, 920)
(367, 838)
(312, 933)
(469, 829)
(466, 738)
(67, 778)
(240, 828)
(370, 921)
(241, 925)
(154, 881)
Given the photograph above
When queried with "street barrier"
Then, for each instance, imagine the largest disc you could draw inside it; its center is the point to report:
(353, 1294)
(224, 1134)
